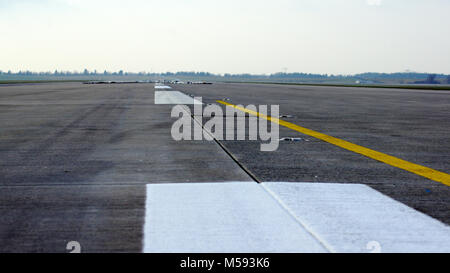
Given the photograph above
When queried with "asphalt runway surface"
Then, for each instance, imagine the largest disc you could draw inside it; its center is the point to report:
(77, 162)
(410, 124)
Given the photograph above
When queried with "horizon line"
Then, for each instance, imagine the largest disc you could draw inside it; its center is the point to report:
(124, 72)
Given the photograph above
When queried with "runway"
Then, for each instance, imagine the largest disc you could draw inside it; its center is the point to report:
(408, 124)
(97, 164)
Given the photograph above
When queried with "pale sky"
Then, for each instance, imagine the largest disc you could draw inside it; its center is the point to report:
(227, 36)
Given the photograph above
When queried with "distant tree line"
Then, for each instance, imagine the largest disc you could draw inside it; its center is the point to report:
(406, 77)
(96, 73)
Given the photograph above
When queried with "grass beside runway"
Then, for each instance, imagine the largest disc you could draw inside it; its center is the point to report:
(38, 81)
(417, 87)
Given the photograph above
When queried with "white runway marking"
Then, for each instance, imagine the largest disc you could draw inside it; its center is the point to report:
(349, 216)
(284, 217)
(162, 87)
(173, 97)
(220, 217)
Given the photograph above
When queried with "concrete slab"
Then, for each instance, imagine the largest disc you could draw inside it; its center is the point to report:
(99, 134)
(174, 97)
(352, 217)
(220, 217)
(162, 87)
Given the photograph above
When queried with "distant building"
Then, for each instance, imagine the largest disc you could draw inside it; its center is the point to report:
(430, 80)
(363, 81)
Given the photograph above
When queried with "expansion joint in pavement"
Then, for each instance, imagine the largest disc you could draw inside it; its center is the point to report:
(228, 152)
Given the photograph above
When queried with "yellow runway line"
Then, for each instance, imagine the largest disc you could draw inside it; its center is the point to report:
(429, 173)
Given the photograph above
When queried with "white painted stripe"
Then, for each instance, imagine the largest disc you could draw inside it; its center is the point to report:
(349, 216)
(220, 217)
(162, 87)
(174, 97)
